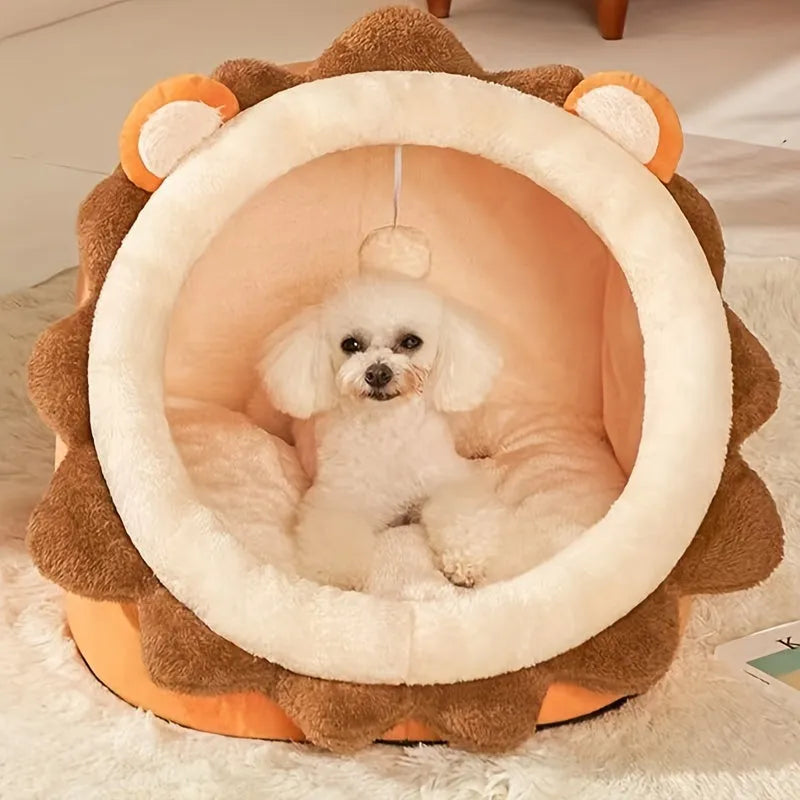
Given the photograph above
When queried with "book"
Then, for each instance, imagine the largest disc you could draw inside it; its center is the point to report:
(770, 657)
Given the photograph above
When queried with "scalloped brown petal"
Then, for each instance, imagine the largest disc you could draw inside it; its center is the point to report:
(644, 640)
(183, 654)
(756, 381)
(552, 82)
(252, 80)
(57, 378)
(703, 222)
(740, 541)
(492, 715)
(104, 219)
(77, 539)
(362, 713)
(397, 38)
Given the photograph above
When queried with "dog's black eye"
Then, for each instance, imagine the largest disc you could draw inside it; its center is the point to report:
(350, 345)
(411, 342)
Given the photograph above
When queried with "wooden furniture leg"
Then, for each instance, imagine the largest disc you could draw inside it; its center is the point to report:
(610, 17)
(439, 8)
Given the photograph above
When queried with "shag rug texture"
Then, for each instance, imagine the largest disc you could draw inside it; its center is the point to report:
(700, 733)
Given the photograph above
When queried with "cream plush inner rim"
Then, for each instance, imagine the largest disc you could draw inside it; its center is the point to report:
(501, 627)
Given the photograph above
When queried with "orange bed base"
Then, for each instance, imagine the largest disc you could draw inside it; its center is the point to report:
(107, 636)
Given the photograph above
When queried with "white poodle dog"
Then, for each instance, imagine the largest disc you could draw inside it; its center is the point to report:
(377, 366)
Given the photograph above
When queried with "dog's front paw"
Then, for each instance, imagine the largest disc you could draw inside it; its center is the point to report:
(459, 570)
(464, 523)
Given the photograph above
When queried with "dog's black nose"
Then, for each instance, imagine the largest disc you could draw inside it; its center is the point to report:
(378, 375)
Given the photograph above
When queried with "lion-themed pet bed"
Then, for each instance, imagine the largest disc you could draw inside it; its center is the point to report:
(550, 205)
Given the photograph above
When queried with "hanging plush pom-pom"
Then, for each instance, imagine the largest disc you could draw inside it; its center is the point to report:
(396, 249)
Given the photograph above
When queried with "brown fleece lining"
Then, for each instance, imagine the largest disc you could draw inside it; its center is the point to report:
(78, 541)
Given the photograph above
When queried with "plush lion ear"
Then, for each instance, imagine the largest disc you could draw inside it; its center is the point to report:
(168, 122)
(633, 113)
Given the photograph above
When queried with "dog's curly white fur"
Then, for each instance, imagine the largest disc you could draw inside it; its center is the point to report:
(378, 365)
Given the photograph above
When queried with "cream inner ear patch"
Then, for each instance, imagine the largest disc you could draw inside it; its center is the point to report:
(634, 114)
(174, 130)
(625, 116)
(167, 122)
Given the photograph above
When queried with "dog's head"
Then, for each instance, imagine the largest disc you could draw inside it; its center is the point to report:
(377, 340)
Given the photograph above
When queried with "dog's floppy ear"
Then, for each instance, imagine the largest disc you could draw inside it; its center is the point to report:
(297, 368)
(467, 362)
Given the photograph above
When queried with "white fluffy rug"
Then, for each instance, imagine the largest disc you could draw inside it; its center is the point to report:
(701, 733)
